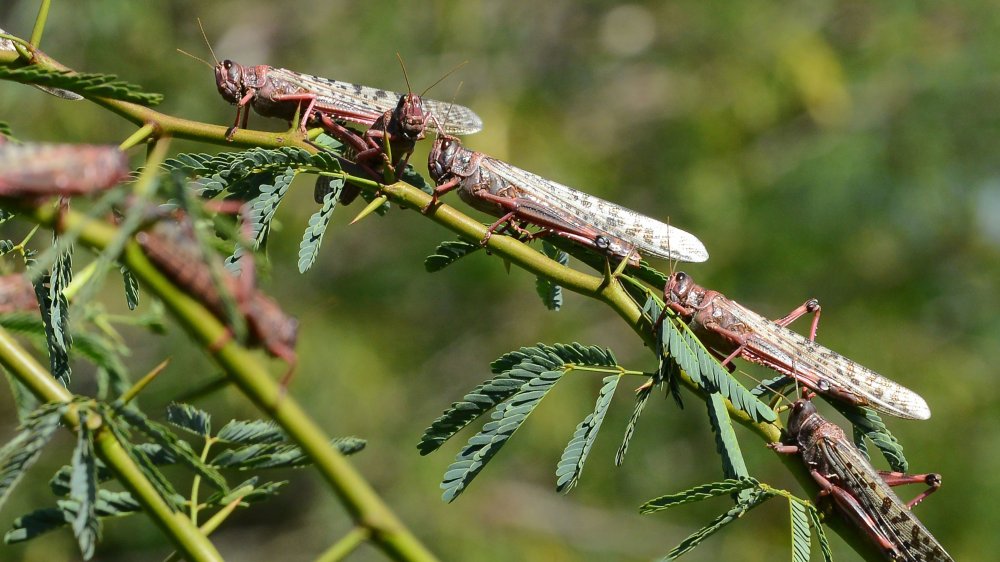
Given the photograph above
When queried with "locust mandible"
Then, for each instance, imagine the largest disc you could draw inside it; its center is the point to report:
(500, 189)
(861, 493)
(730, 330)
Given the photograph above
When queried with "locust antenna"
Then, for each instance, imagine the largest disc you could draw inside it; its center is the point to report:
(773, 390)
(199, 59)
(406, 77)
(441, 79)
(205, 35)
(447, 115)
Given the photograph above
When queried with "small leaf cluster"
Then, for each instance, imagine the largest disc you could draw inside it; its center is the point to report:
(83, 500)
(84, 83)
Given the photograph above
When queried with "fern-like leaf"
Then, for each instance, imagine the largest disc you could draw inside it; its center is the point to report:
(868, 423)
(699, 493)
(512, 370)
(180, 448)
(5, 130)
(817, 524)
(251, 431)
(447, 253)
(131, 288)
(22, 451)
(550, 293)
(575, 455)
(261, 211)
(801, 537)
(269, 455)
(312, 238)
(728, 447)
(55, 314)
(756, 498)
(640, 403)
(189, 418)
(149, 469)
(85, 83)
(38, 522)
(83, 491)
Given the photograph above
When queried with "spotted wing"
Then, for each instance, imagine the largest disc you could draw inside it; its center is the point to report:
(795, 355)
(645, 234)
(890, 514)
(364, 104)
(8, 45)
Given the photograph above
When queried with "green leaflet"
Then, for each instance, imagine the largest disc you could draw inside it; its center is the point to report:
(312, 238)
(817, 524)
(83, 490)
(278, 455)
(5, 130)
(801, 537)
(131, 288)
(447, 253)
(86, 83)
(640, 402)
(236, 171)
(181, 449)
(22, 451)
(260, 212)
(698, 493)
(756, 498)
(251, 431)
(733, 465)
(550, 293)
(191, 419)
(868, 423)
(506, 419)
(575, 455)
(55, 313)
(512, 370)
(108, 504)
(60, 481)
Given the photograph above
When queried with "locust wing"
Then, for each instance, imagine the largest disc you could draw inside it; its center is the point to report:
(365, 104)
(645, 234)
(820, 368)
(914, 542)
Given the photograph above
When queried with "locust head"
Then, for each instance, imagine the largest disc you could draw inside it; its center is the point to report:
(678, 290)
(410, 114)
(229, 80)
(441, 160)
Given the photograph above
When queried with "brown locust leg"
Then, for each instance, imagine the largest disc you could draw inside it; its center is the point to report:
(933, 480)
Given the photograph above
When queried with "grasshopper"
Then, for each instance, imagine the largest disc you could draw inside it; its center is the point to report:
(861, 493)
(730, 330)
(174, 250)
(40, 170)
(500, 189)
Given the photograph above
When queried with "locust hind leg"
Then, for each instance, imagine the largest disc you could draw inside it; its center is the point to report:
(933, 480)
(810, 306)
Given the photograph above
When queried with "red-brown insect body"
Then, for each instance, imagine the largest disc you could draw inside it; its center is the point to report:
(38, 170)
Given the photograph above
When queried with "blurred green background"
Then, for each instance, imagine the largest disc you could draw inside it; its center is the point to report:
(842, 150)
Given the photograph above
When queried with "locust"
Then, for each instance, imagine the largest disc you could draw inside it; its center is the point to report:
(8, 45)
(860, 492)
(516, 196)
(283, 93)
(173, 248)
(40, 170)
(729, 330)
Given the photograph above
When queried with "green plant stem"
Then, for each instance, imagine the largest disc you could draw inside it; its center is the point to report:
(346, 545)
(36, 378)
(40, 19)
(247, 373)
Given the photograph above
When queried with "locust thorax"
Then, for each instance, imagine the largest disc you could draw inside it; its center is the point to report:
(442, 157)
(229, 80)
(410, 114)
